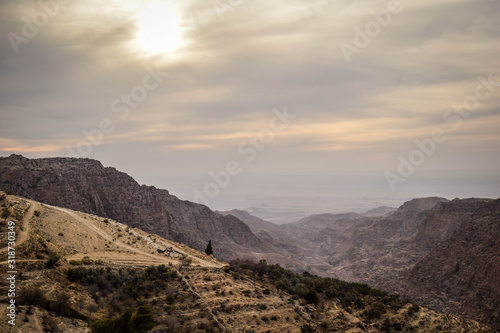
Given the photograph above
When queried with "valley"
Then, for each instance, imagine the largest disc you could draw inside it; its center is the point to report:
(80, 272)
(437, 252)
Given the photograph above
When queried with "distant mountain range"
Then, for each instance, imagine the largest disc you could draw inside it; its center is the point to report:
(443, 253)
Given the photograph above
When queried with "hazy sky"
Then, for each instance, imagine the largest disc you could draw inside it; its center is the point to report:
(308, 100)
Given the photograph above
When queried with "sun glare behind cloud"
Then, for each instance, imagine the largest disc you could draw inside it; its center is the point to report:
(159, 28)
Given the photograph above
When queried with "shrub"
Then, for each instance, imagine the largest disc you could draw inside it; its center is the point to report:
(62, 305)
(324, 326)
(311, 297)
(143, 320)
(86, 260)
(33, 296)
(6, 213)
(375, 311)
(49, 324)
(311, 287)
(37, 213)
(306, 328)
(52, 261)
(413, 309)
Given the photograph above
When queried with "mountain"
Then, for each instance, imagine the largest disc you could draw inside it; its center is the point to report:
(324, 220)
(255, 223)
(79, 272)
(301, 255)
(439, 252)
(86, 185)
(379, 211)
(461, 275)
(433, 250)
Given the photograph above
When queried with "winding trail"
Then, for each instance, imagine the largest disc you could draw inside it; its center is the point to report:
(20, 239)
(157, 258)
(24, 234)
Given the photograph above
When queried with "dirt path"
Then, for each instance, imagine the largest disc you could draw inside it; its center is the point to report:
(24, 234)
(110, 238)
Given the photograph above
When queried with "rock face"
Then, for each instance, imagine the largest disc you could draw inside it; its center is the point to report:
(445, 254)
(461, 275)
(301, 256)
(85, 185)
(372, 250)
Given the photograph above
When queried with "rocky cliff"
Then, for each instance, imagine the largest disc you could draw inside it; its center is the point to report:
(461, 275)
(442, 253)
(86, 185)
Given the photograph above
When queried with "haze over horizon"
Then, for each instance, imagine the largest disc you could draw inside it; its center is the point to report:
(316, 106)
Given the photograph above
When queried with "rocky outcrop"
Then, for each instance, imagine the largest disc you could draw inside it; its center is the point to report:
(442, 221)
(444, 254)
(461, 275)
(86, 185)
(372, 250)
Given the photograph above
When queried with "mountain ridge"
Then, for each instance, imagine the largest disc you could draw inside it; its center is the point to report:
(86, 185)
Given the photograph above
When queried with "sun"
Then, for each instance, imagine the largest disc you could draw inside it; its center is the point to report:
(159, 28)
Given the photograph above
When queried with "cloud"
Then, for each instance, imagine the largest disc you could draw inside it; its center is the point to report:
(235, 67)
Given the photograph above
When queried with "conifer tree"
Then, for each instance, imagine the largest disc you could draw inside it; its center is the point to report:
(209, 249)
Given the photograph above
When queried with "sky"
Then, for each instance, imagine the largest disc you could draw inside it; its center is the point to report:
(305, 104)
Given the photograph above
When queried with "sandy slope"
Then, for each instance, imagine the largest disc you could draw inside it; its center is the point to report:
(120, 251)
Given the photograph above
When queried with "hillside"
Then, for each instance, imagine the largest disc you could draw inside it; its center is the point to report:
(414, 250)
(78, 272)
(85, 185)
(461, 275)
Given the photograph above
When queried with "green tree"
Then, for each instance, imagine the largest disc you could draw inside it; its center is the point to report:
(312, 297)
(121, 324)
(142, 321)
(209, 249)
